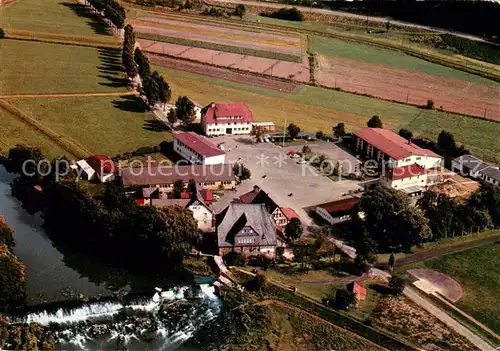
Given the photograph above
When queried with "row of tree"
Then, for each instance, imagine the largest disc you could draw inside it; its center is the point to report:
(112, 10)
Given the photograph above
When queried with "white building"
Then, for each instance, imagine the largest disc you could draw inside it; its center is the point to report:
(96, 167)
(472, 166)
(222, 119)
(197, 149)
(203, 215)
(403, 164)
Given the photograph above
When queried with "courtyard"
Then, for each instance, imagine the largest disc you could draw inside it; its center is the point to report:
(290, 184)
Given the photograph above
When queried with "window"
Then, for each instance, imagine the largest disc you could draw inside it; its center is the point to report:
(418, 158)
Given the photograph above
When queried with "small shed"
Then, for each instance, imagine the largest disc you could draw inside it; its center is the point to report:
(358, 291)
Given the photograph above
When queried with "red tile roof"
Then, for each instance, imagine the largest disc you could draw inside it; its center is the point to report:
(208, 195)
(199, 143)
(355, 288)
(101, 164)
(289, 213)
(141, 202)
(391, 143)
(222, 112)
(343, 205)
(250, 196)
(407, 171)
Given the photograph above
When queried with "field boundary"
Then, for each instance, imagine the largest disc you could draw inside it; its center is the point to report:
(66, 143)
(220, 47)
(17, 34)
(63, 95)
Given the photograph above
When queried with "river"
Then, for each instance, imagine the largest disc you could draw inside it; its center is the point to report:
(156, 320)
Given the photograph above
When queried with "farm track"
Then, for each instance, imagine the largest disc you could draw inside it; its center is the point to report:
(22, 96)
(222, 73)
(66, 143)
(434, 58)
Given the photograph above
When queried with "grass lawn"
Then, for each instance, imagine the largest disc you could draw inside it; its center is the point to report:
(13, 132)
(37, 68)
(53, 16)
(477, 272)
(379, 56)
(103, 125)
(313, 109)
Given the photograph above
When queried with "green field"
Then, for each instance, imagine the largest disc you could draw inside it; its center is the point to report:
(379, 56)
(38, 68)
(103, 125)
(13, 131)
(477, 272)
(52, 16)
(314, 109)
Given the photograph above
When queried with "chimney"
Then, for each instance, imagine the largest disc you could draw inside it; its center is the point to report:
(212, 104)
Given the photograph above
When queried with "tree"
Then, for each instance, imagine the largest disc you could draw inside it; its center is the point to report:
(128, 52)
(177, 189)
(320, 135)
(192, 188)
(233, 258)
(2, 33)
(446, 143)
(391, 221)
(257, 131)
(172, 116)
(184, 109)
(6, 232)
(375, 122)
(143, 63)
(241, 171)
(305, 253)
(293, 130)
(12, 276)
(257, 283)
(396, 284)
(293, 229)
(240, 10)
(344, 299)
(339, 131)
(405, 133)
(430, 104)
(306, 150)
(392, 261)
(24, 160)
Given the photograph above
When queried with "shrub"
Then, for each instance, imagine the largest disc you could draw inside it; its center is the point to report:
(289, 14)
(2, 33)
(145, 150)
(396, 284)
(235, 259)
(257, 283)
(430, 104)
(320, 135)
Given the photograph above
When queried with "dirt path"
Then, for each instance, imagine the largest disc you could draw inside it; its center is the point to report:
(268, 302)
(22, 96)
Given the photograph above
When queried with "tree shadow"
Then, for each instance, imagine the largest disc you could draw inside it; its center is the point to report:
(154, 125)
(130, 103)
(93, 21)
(381, 289)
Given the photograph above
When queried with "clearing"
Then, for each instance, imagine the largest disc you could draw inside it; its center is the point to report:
(103, 125)
(314, 109)
(38, 68)
(477, 272)
(52, 16)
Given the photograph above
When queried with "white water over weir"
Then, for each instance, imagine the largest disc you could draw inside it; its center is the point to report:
(165, 320)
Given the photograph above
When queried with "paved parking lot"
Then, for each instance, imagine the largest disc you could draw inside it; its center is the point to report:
(279, 175)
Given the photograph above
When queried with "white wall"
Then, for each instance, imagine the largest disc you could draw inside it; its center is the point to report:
(238, 128)
(420, 180)
(202, 215)
(424, 161)
(215, 160)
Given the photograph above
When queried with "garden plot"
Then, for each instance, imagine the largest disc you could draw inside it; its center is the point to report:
(410, 86)
(221, 35)
(283, 69)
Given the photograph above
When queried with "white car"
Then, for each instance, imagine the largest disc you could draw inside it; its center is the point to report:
(216, 197)
(267, 140)
(301, 161)
(295, 156)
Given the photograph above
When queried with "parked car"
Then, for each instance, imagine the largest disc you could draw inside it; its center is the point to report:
(267, 140)
(216, 197)
(301, 161)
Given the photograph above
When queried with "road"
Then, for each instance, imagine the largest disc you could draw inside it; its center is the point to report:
(353, 15)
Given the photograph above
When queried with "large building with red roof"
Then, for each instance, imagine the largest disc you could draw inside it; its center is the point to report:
(404, 164)
(197, 149)
(222, 119)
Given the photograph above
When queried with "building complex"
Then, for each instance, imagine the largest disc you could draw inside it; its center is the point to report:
(197, 149)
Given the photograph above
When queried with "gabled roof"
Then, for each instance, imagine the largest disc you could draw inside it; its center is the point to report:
(355, 288)
(101, 164)
(238, 216)
(247, 198)
(264, 198)
(289, 213)
(340, 206)
(199, 143)
(169, 202)
(224, 112)
(477, 165)
(392, 144)
(407, 171)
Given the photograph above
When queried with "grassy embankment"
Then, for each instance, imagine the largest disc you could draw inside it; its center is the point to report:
(477, 272)
(316, 109)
